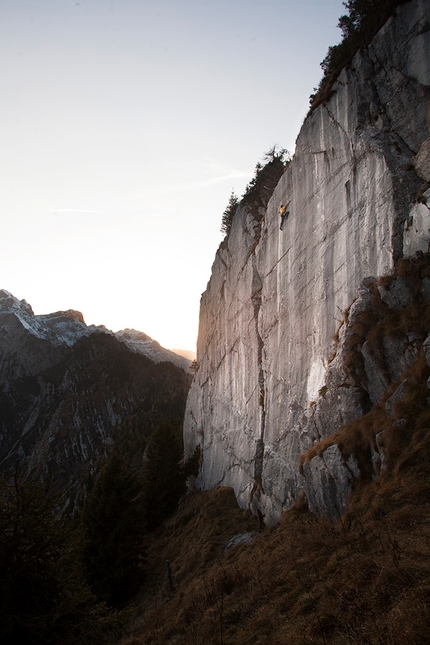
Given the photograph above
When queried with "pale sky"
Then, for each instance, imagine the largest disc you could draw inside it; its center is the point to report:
(124, 127)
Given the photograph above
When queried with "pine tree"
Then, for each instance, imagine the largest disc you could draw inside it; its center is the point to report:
(163, 473)
(266, 177)
(227, 217)
(358, 26)
(43, 596)
(114, 529)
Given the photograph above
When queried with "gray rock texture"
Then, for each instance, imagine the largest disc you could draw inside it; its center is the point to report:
(270, 381)
(240, 538)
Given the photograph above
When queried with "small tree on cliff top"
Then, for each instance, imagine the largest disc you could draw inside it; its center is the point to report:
(358, 27)
(266, 177)
(227, 216)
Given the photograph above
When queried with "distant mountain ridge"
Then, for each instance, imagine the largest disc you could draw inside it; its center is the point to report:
(67, 327)
(70, 392)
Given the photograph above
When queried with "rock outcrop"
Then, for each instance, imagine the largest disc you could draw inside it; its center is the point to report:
(270, 382)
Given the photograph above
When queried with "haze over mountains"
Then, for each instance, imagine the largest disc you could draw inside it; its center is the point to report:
(69, 392)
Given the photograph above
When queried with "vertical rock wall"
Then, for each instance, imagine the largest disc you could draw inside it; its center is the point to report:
(276, 297)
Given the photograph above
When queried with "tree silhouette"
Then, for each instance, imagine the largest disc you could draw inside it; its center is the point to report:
(114, 528)
(43, 597)
(163, 473)
(266, 177)
(227, 216)
(358, 27)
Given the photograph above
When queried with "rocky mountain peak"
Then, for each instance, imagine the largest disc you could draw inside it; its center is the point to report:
(69, 392)
(8, 303)
(65, 328)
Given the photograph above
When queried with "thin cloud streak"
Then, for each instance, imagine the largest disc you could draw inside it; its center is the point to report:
(192, 185)
(79, 211)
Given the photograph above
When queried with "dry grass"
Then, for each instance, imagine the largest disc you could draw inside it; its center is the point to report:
(380, 321)
(373, 325)
(307, 581)
(398, 440)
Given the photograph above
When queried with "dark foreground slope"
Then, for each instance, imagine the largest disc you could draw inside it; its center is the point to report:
(307, 580)
(304, 581)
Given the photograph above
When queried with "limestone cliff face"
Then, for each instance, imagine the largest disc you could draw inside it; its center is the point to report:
(358, 200)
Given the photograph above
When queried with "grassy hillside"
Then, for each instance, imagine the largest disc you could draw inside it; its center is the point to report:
(364, 579)
(304, 581)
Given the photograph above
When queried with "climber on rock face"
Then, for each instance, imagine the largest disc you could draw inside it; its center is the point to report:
(284, 214)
